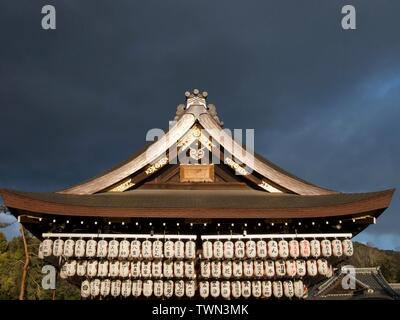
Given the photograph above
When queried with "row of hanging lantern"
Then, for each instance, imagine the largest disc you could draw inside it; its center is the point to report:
(135, 269)
(251, 249)
(264, 268)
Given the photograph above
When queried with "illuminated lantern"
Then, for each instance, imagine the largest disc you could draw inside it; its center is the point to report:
(239, 249)
(69, 248)
(273, 249)
(337, 249)
(261, 249)
(266, 289)
(190, 249)
(229, 249)
(81, 268)
(322, 266)
(256, 289)
(277, 289)
(146, 268)
(137, 288)
(168, 288)
(114, 268)
(147, 251)
(236, 289)
(204, 289)
(312, 269)
(227, 269)
(58, 247)
(305, 249)
(85, 289)
(190, 288)
(156, 268)
(237, 268)
(135, 269)
(158, 287)
(269, 267)
(291, 268)
(63, 272)
(80, 246)
(294, 250)
(102, 249)
(102, 268)
(40, 252)
(326, 248)
(280, 268)
(179, 250)
(105, 287)
(189, 269)
(298, 289)
(218, 249)
(95, 287)
(347, 247)
(168, 269)
(205, 268)
(215, 289)
(301, 268)
(71, 268)
(136, 249)
(248, 268)
(91, 248)
(178, 269)
(207, 249)
(315, 248)
(225, 289)
(147, 288)
(169, 249)
(288, 289)
(113, 247)
(157, 249)
(216, 269)
(246, 289)
(329, 273)
(126, 288)
(124, 249)
(124, 269)
(283, 247)
(251, 249)
(47, 247)
(115, 288)
(179, 288)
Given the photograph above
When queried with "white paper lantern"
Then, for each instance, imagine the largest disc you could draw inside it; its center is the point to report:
(169, 252)
(71, 268)
(156, 268)
(216, 269)
(69, 246)
(189, 269)
(283, 247)
(288, 289)
(179, 248)
(225, 289)
(102, 268)
(237, 268)
(179, 288)
(326, 248)
(246, 289)
(277, 289)
(322, 265)
(92, 268)
(204, 289)
(251, 249)
(105, 287)
(298, 289)
(215, 289)
(301, 268)
(207, 250)
(124, 249)
(269, 268)
(47, 247)
(190, 288)
(312, 269)
(136, 249)
(124, 267)
(179, 269)
(294, 250)
(337, 249)
(80, 248)
(240, 249)
(58, 247)
(273, 249)
(236, 289)
(168, 269)
(229, 249)
(248, 268)
(147, 288)
(291, 268)
(113, 247)
(227, 268)
(266, 289)
(147, 251)
(102, 249)
(347, 247)
(218, 249)
(158, 249)
(113, 268)
(305, 249)
(135, 269)
(315, 248)
(329, 273)
(256, 289)
(146, 268)
(280, 268)
(137, 286)
(116, 288)
(262, 249)
(95, 287)
(205, 268)
(85, 289)
(63, 271)
(190, 249)
(158, 289)
(91, 248)
(40, 251)
(81, 268)
(126, 288)
(168, 288)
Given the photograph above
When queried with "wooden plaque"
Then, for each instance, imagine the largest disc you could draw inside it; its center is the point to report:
(196, 173)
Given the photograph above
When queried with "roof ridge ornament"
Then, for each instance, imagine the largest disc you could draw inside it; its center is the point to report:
(196, 98)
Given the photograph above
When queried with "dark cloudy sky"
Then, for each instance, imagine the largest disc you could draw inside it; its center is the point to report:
(324, 102)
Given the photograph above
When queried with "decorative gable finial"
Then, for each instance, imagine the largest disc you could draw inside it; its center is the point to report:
(196, 98)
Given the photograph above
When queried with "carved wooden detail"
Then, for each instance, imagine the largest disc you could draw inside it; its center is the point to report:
(196, 173)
